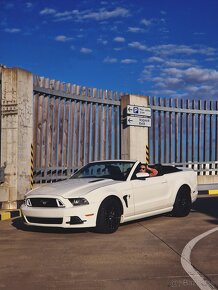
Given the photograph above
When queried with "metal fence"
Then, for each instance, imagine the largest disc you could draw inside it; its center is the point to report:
(185, 133)
(72, 126)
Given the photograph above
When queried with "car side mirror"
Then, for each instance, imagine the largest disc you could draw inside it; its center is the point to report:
(142, 175)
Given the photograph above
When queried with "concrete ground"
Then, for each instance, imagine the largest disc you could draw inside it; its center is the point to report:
(145, 254)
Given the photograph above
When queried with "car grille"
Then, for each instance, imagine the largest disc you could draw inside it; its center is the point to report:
(37, 220)
(43, 202)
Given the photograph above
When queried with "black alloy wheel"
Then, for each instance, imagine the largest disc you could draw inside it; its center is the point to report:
(109, 214)
(182, 205)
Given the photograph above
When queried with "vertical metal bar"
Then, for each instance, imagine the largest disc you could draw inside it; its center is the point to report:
(35, 128)
(181, 131)
(96, 132)
(52, 133)
(47, 138)
(90, 134)
(118, 133)
(85, 132)
(193, 132)
(199, 132)
(211, 151)
(79, 135)
(165, 132)
(154, 124)
(62, 143)
(74, 135)
(107, 133)
(57, 140)
(68, 133)
(205, 133)
(101, 127)
(112, 131)
(176, 132)
(159, 132)
(41, 133)
(171, 133)
(187, 132)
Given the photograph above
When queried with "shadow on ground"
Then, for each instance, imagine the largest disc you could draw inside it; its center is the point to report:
(19, 224)
(209, 206)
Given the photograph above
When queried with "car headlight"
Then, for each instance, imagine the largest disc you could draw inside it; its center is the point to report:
(78, 201)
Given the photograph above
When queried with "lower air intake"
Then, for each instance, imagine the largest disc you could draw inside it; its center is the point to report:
(51, 221)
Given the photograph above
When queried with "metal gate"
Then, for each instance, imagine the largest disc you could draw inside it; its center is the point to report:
(72, 126)
(185, 133)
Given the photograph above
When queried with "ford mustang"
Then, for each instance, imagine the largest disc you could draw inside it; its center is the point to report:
(104, 194)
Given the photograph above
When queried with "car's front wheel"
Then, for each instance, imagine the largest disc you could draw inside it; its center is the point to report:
(182, 204)
(109, 214)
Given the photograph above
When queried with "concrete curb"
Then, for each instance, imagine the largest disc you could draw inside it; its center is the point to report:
(9, 214)
(209, 191)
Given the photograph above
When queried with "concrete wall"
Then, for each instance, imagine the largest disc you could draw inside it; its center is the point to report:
(16, 134)
(133, 139)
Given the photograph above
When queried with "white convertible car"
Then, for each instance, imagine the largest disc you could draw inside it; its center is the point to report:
(104, 194)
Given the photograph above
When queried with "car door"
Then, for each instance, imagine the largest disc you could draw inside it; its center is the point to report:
(150, 194)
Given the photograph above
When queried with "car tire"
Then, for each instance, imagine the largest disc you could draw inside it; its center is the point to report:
(108, 218)
(182, 204)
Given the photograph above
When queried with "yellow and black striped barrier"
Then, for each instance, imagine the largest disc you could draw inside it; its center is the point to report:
(147, 155)
(209, 191)
(31, 174)
(9, 214)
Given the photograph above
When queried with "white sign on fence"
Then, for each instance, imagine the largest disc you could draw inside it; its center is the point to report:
(138, 121)
(138, 110)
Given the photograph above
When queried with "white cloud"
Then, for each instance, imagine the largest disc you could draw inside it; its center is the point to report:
(47, 11)
(146, 22)
(63, 38)
(173, 49)
(135, 29)
(137, 45)
(169, 49)
(119, 39)
(12, 30)
(104, 14)
(193, 82)
(29, 4)
(85, 50)
(128, 61)
(102, 41)
(155, 59)
(110, 60)
(99, 15)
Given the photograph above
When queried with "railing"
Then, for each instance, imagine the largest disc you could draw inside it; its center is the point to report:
(184, 132)
(73, 125)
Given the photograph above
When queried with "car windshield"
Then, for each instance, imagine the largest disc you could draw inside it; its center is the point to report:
(117, 170)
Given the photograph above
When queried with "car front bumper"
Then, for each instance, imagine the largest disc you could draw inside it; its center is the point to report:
(75, 217)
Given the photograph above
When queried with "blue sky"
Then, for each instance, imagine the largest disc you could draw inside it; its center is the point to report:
(166, 48)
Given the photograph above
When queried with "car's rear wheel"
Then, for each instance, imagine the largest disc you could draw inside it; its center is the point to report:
(109, 214)
(182, 204)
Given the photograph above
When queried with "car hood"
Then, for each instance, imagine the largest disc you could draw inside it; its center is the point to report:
(71, 187)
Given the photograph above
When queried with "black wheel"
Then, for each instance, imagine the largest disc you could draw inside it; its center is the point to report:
(109, 214)
(182, 204)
